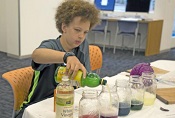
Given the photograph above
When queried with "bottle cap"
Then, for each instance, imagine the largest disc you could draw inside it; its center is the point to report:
(65, 78)
(103, 82)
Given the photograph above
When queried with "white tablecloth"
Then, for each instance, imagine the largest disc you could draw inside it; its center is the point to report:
(44, 109)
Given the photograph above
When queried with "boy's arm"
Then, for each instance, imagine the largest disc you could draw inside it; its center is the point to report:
(47, 56)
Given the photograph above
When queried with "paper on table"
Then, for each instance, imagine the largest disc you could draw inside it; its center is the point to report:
(168, 78)
(164, 64)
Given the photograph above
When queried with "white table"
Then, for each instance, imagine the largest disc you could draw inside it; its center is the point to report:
(44, 109)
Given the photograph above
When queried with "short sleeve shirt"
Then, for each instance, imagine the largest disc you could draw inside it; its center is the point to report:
(43, 83)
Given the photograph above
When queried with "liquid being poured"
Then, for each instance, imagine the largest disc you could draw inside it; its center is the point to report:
(110, 100)
(109, 111)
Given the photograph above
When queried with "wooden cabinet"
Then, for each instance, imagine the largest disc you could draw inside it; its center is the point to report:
(153, 37)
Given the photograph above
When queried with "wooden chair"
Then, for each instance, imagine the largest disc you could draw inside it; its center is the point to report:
(96, 58)
(20, 81)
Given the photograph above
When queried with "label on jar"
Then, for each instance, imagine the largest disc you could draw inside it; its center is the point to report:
(64, 106)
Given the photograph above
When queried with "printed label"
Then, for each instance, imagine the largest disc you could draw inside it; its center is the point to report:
(64, 107)
(64, 111)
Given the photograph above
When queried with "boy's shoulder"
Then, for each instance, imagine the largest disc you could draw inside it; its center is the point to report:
(50, 40)
(51, 43)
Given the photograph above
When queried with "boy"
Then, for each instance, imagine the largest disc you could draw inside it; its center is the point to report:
(74, 18)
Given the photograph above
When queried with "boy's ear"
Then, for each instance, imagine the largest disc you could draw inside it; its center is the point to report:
(63, 26)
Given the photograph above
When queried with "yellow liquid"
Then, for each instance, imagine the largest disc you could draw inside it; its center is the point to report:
(149, 99)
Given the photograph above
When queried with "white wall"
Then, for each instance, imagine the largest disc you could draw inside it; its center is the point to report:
(37, 23)
(21, 36)
(12, 26)
(25, 24)
(165, 9)
(3, 43)
(172, 16)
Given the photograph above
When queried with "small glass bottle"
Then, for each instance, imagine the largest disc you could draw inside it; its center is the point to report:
(64, 99)
(150, 84)
(88, 105)
(124, 93)
(137, 89)
(91, 80)
(108, 102)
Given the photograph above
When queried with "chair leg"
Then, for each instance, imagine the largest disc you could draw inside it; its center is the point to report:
(105, 37)
(139, 41)
(98, 71)
(114, 45)
(13, 114)
(122, 41)
(135, 40)
(115, 42)
(109, 38)
(104, 47)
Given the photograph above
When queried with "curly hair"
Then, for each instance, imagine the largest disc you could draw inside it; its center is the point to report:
(70, 9)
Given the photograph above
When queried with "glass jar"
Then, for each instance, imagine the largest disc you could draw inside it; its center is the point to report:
(150, 84)
(137, 89)
(88, 105)
(124, 93)
(108, 102)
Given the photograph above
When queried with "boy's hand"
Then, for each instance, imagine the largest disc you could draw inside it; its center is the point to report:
(73, 65)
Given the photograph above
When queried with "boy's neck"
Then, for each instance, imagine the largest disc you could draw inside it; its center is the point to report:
(64, 45)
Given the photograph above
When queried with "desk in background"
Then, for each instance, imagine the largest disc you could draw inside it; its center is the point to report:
(153, 36)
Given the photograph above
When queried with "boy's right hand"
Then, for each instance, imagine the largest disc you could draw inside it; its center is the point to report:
(73, 65)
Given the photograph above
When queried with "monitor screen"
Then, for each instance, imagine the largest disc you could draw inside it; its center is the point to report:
(137, 5)
(105, 5)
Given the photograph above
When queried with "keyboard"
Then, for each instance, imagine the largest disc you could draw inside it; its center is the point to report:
(130, 19)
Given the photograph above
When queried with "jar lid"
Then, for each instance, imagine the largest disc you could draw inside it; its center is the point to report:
(103, 82)
(65, 78)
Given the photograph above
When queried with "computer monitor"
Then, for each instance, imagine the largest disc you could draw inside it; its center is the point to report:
(105, 5)
(138, 5)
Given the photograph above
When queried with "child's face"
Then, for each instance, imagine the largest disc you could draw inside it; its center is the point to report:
(74, 33)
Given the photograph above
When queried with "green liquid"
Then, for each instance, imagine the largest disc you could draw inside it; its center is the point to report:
(136, 105)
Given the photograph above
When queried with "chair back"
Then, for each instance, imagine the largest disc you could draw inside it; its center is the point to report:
(96, 58)
(20, 81)
(127, 27)
(101, 27)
